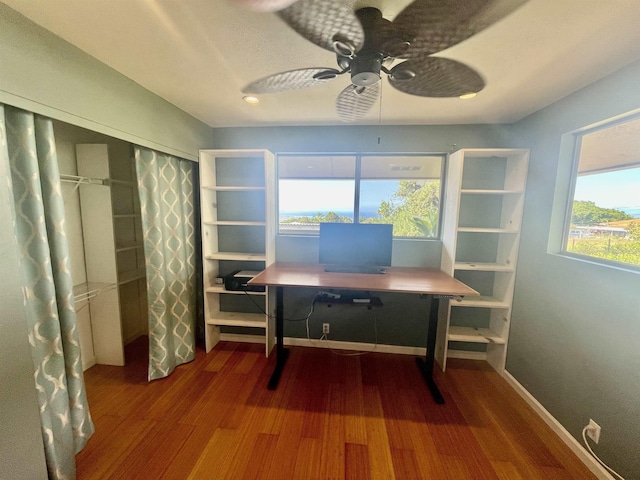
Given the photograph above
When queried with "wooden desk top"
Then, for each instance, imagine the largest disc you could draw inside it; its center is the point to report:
(395, 279)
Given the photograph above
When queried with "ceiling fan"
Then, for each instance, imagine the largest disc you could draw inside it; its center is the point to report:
(366, 44)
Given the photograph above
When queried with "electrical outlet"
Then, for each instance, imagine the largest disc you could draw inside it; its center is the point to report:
(325, 330)
(593, 431)
(328, 294)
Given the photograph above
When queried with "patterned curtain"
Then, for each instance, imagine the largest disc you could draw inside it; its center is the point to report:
(27, 143)
(166, 191)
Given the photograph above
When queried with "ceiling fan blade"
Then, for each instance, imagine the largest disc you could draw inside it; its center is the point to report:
(354, 102)
(435, 25)
(323, 22)
(435, 77)
(291, 80)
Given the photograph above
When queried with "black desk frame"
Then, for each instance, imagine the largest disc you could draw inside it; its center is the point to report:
(425, 364)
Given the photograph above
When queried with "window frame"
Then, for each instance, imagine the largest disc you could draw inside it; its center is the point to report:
(357, 179)
(577, 138)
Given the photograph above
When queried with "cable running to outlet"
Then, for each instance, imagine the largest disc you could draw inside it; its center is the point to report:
(584, 438)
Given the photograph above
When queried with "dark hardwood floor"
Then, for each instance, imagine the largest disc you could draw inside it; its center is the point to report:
(332, 417)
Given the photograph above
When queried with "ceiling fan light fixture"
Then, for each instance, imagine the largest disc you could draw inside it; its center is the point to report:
(402, 74)
(264, 5)
(343, 47)
(251, 99)
(467, 96)
(325, 75)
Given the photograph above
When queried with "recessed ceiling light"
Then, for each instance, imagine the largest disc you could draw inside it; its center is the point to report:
(251, 99)
(466, 96)
(265, 5)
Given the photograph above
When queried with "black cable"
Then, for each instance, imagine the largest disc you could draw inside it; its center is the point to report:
(313, 304)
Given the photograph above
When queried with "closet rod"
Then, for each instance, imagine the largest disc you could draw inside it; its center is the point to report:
(87, 291)
(83, 180)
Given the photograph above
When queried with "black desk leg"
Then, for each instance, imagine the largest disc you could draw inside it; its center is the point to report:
(281, 352)
(426, 364)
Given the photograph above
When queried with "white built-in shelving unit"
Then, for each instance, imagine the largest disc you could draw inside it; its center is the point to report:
(484, 199)
(237, 197)
(113, 293)
(129, 246)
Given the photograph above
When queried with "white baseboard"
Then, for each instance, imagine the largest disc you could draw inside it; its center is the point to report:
(577, 448)
(355, 346)
(304, 342)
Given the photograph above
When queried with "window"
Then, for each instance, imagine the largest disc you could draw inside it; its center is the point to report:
(604, 215)
(404, 190)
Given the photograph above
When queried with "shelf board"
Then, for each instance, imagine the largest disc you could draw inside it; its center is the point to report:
(235, 188)
(131, 275)
(238, 319)
(488, 230)
(256, 257)
(479, 191)
(220, 289)
(474, 335)
(485, 267)
(235, 223)
(128, 215)
(481, 302)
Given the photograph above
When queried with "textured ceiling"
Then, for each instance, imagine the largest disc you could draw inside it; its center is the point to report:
(199, 54)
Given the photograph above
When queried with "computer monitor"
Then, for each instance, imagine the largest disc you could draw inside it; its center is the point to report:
(356, 244)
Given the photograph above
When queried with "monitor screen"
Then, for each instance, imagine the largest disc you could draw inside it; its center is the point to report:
(367, 244)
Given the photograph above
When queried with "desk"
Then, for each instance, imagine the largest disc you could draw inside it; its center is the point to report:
(424, 281)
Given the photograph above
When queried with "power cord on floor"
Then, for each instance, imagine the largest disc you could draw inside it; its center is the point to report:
(584, 438)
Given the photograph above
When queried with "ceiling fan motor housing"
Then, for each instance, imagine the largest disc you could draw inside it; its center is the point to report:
(365, 69)
(365, 66)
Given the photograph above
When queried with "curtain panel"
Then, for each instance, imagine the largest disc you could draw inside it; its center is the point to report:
(166, 189)
(27, 143)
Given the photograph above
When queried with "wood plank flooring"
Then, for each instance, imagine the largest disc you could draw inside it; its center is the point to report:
(332, 417)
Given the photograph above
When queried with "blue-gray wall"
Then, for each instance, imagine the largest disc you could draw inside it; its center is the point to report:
(575, 329)
(44, 74)
(401, 321)
(363, 139)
